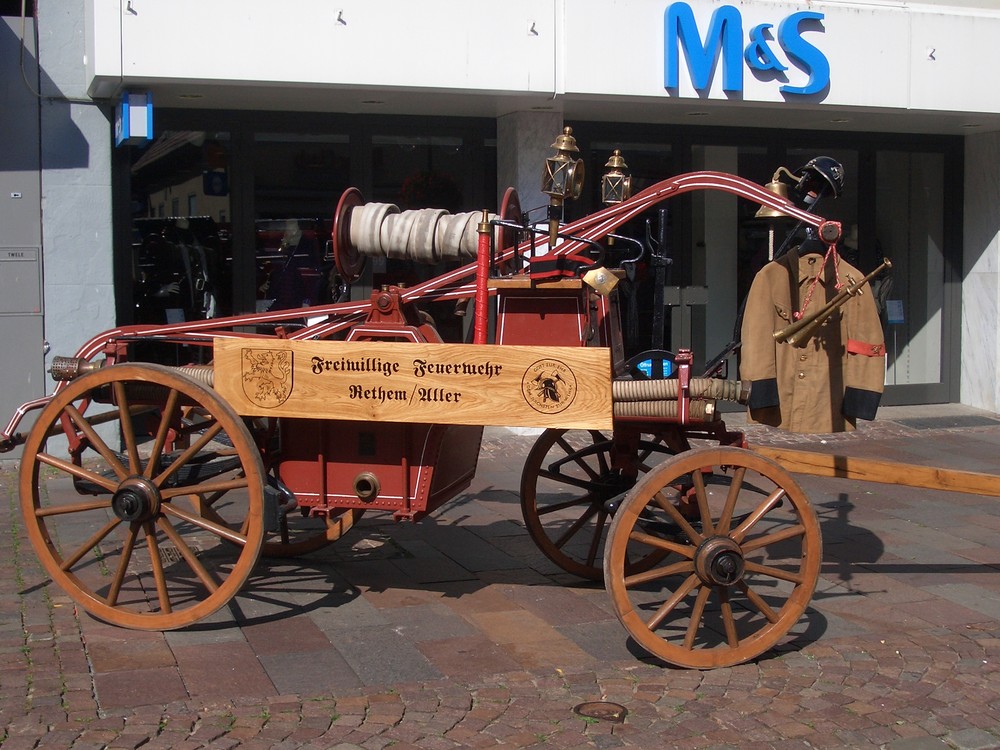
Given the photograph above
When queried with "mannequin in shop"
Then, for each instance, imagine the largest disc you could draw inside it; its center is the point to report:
(284, 284)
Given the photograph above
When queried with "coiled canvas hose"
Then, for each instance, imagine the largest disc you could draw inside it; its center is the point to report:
(698, 388)
(426, 235)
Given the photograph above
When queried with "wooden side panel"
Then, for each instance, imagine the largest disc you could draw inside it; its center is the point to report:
(514, 386)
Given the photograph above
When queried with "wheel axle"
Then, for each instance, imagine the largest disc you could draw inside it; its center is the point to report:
(137, 499)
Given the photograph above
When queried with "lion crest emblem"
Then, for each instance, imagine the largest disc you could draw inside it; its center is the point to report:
(267, 376)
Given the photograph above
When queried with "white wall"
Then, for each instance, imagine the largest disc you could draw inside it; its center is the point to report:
(76, 186)
(981, 283)
(447, 44)
(881, 54)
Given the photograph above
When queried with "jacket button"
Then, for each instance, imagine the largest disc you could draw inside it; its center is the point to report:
(801, 375)
(802, 358)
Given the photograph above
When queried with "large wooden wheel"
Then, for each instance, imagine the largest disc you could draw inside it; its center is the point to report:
(742, 555)
(570, 485)
(162, 532)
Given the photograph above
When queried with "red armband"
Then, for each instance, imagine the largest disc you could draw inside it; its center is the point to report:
(865, 350)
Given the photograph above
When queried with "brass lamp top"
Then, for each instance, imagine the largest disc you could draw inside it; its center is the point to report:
(565, 141)
(616, 160)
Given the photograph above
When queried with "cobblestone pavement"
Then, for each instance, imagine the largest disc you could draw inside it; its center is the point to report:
(457, 633)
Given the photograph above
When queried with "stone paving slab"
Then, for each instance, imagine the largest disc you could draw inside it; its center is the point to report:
(456, 632)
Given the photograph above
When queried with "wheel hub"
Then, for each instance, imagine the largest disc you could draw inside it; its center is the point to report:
(718, 561)
(136, 499)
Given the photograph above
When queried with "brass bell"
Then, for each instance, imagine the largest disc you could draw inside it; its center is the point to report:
(780, 189)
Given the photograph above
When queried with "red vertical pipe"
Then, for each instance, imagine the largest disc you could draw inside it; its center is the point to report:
(481, 318)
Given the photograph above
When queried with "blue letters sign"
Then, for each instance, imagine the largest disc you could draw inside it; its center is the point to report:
(725, 39)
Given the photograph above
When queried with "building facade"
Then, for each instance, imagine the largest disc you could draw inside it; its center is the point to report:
(264, 114)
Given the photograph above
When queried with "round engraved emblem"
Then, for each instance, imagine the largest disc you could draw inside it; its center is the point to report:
(266, 376)
(549, 386)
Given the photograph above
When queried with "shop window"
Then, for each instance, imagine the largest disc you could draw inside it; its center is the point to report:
(418, 171)
(298, 180)
(910, 232)
(180, 261)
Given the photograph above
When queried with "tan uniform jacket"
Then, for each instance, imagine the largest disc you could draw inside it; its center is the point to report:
(838, 375)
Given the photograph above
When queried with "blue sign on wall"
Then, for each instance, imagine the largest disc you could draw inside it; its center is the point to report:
(725, 40)
(134, 119)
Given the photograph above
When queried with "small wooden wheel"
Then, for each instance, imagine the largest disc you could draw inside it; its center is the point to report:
(743, 553)
(164, 531)
(300, 535)
(570, 485)
(348, 260)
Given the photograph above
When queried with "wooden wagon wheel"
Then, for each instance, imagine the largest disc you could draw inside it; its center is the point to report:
(569, 486)
(299, 535)
(161, 533)
(743, 559)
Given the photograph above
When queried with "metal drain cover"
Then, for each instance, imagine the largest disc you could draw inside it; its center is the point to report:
(603, 710)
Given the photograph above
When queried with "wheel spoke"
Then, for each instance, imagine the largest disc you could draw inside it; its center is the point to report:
(675, 515)
(728, 621)
(572, 503)
(166, 419)
(203, 523)
(205, 488)
(726, 517)
(88, 545)
(188, 454)
(575, 527)
(740, 532)
(685, 550)
(769, 570)
(96, 441)
(637, 579)
(188, 554)
(697, 613)
(126, 557)
(602, 455)
(595, 540)
(575, 456)
(78, 471)
(774, 538)
(702, 499)
(61, 510)
(689, 585)
(128, 429)
(759, 603)
(162, 593)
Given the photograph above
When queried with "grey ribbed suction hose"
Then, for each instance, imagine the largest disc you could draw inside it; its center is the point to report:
(426, 235)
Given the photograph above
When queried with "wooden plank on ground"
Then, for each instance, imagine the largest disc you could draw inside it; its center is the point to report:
(513, 386)
(884, 472)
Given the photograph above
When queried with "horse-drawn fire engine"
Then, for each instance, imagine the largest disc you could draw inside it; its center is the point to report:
(288, 426)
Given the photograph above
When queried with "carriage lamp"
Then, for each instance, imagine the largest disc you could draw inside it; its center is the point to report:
(780, 189)
(562, 178)
(616, 183)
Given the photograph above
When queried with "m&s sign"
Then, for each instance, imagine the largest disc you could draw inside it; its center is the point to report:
(759, 50)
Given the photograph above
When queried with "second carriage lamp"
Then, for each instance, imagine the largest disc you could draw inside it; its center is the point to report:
(562, 178)
(616, 183)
